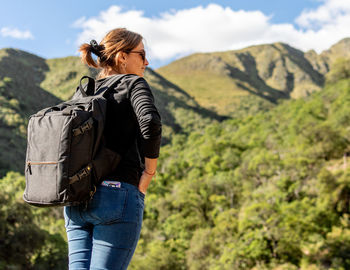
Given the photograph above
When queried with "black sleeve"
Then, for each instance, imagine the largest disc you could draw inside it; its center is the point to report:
(147, 116)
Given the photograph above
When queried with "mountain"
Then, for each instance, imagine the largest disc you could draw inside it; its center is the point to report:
(222, 81)
(29, 83)
(263, 191)
(324, 61)
(269, 191)
(179, 111)
(190, 92)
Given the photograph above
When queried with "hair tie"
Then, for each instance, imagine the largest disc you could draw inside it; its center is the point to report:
(95, 48)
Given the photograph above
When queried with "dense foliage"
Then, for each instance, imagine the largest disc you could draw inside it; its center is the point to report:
(12, 129)
(30, 238)
(264, 191)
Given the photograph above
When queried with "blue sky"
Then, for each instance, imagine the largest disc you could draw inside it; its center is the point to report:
(173, 29)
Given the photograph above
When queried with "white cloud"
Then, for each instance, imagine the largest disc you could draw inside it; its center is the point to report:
(216, 28)
(324, 26)
(15, 33)
(327, 14)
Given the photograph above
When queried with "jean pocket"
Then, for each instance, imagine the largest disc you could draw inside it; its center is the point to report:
(108, 205)
(143, 195)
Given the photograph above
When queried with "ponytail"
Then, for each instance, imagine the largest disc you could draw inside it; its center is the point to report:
(86, 58)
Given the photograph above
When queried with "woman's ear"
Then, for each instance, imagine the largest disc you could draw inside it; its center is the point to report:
(121, 57)
(121, 62)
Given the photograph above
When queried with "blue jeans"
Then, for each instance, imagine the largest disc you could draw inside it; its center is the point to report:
(105, 234)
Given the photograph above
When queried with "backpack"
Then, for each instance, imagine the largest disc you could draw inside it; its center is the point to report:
(66, 154)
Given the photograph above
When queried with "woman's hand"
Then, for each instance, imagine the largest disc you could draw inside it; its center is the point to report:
(145, 180)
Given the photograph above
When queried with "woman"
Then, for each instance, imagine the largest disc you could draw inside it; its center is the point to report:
(104, 234)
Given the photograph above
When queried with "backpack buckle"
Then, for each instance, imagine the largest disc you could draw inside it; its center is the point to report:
(80, 175)
(84, 127)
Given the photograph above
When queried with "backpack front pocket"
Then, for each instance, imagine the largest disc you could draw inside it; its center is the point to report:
(41, 181)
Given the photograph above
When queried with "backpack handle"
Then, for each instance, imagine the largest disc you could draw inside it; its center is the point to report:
(90, 90)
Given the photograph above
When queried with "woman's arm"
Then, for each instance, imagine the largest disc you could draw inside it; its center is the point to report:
(147, 174)
(150, 125)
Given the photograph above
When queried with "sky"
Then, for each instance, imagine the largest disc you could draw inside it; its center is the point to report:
(173, 29)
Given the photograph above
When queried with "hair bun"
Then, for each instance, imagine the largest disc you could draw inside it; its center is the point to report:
(95, 48)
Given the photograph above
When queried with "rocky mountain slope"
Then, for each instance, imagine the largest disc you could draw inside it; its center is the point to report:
(223, 80)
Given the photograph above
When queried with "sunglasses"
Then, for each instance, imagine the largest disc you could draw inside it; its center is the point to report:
(142, 53)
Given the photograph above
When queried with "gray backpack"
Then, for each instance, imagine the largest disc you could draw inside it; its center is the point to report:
(66, 155)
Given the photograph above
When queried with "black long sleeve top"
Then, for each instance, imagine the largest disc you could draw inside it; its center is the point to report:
(133, 127)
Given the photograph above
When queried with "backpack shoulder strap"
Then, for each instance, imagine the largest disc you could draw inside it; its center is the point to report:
(90, 88)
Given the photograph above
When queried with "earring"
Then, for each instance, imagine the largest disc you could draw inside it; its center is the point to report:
(124, 66)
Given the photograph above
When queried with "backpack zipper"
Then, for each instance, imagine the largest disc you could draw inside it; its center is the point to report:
(30, 163)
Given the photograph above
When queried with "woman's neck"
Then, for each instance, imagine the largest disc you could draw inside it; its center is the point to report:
(107, 74)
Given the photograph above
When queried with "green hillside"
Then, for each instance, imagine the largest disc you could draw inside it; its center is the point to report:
(266, 189)
(180, 112)
(265, 192)
(20, 95)
(63, 75)
(174, 104)
(222, 81)
(269, 191)
(29, 83)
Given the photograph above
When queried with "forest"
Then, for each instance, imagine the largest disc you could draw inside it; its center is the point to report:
(264, 191)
